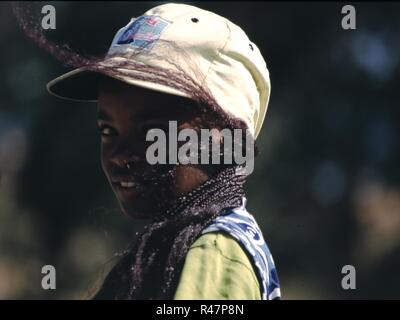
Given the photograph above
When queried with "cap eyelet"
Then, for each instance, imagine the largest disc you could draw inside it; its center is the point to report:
(251, 47)
(195, 20)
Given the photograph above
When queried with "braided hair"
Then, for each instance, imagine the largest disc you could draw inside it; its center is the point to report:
(150, 267)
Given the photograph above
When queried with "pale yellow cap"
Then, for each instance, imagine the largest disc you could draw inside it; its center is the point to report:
(229, 64)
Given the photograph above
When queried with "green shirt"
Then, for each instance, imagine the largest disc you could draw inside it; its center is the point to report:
(216, 268)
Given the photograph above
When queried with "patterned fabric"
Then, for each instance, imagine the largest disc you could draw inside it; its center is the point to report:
(141, 31)
(241, 225)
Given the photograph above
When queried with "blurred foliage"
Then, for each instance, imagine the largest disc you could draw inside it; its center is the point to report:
(326, 188)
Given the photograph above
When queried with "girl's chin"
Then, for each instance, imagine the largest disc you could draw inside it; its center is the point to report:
(140, 212)
(143, 205)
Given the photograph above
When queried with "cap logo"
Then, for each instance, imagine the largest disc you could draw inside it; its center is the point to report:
(142, 30)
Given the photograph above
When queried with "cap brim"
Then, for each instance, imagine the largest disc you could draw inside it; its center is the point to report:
(82, 85)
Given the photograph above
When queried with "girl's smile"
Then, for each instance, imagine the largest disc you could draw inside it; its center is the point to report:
(125, 114)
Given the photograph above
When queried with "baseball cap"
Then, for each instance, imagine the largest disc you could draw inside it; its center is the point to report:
(228, 63)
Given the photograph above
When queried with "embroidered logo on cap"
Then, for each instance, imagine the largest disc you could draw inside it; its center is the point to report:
(143, 32)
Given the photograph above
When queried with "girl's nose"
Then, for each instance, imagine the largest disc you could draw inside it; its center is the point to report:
(126, 155)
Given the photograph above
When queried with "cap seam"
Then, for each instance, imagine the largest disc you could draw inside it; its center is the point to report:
(218, 52)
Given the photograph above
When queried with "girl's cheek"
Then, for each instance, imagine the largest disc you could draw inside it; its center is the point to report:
(104, 156)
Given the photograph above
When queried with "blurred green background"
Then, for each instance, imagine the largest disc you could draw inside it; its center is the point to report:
(326, 188)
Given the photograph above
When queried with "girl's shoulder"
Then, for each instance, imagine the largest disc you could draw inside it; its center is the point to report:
(225, 246)
(231, 251)
(217, 267)
(242, 226)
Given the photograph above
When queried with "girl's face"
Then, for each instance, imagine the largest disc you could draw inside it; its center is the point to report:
(125, 114)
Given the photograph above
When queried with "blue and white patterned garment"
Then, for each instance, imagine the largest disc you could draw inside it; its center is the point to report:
(241, 225)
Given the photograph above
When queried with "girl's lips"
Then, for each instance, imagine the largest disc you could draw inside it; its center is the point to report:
(125, 190)
(128, 185)
(125, 184)
(132, 181)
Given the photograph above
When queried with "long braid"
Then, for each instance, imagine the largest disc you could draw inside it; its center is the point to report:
(173, 76)
(150, 270)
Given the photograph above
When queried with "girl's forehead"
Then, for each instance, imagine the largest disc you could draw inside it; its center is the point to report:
(114, 94)
(145, 106)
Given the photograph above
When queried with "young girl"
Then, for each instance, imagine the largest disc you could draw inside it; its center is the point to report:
(178, 63)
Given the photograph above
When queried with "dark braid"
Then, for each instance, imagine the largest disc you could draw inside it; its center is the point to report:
(151, 268)
(174, 76)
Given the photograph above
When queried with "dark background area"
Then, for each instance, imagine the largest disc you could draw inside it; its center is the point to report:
(326, 186)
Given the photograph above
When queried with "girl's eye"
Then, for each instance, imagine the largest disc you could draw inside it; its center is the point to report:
(106, 131)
